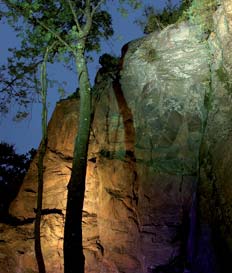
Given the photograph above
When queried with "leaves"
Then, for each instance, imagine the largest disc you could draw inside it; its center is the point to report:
(201, 12)
(154, 19)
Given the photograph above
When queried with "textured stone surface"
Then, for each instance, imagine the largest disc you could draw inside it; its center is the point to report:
(170, 75)
(215, 183)
(143, 160)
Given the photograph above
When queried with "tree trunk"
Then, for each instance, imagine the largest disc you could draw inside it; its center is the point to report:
(38, 249)
(74, 259)
(40, 165)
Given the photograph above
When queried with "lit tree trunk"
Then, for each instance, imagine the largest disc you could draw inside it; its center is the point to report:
(38, 249)
(42, 150)
(74, 259)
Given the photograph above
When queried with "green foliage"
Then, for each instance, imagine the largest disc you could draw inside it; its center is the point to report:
(157, 20)
(135, 4)
(125, 4)
(200, 13)
(39, 24)
(19, 80)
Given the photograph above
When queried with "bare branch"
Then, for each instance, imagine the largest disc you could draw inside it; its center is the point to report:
(88, 23)
(44, 73)
(10, 84)
(74, 15)
(96, 7)
(87, 9)
(87, 4)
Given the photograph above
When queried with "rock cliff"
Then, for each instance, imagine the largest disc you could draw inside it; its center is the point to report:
(159, 159)
(215, 192)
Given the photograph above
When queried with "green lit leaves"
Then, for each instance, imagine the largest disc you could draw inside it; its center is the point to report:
(74, 32)
(201, 12)
(135, 4)
(126, 5)
(39, 24)
(101, 28)
(154, 19)
(123, 11)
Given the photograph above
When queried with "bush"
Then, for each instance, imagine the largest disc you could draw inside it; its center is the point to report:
(157, 20)
(198, 12)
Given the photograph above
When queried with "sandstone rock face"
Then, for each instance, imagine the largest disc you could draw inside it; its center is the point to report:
(17, 245)
(143, 162)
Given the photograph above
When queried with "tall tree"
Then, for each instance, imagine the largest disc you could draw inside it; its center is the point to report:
(40, 164)
(77, 26)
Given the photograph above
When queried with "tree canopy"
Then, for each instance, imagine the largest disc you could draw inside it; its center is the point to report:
(39, 24)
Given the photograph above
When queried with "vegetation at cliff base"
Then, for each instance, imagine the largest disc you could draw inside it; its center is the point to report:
(13, 167)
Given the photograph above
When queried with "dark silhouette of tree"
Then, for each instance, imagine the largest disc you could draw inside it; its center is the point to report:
(13, 167)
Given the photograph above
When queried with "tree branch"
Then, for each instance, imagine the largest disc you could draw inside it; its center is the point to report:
(88, 15)
(9, 84)
(96, 7)
(74, 15)
(87, 7)
(55, 34)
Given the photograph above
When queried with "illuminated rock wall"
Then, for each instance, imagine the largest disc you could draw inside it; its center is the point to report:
(143, 163)
(215, 186)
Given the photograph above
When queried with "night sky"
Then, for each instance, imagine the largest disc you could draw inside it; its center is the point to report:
(27, 134)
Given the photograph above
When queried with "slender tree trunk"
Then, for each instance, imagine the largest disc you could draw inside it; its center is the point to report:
(38, 249)
(74, 259)
(42, 150)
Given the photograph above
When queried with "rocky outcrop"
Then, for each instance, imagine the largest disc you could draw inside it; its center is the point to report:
(215, 192)
(155, 122)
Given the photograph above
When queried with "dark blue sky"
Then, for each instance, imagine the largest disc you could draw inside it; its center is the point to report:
(27, 134)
